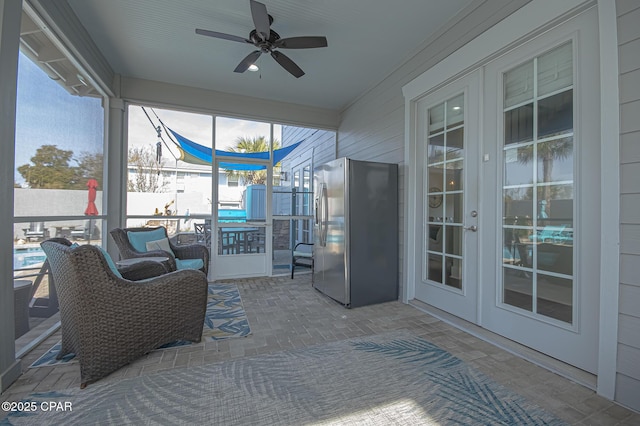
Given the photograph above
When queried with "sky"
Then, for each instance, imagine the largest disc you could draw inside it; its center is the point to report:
(196, 127)
(46, 114)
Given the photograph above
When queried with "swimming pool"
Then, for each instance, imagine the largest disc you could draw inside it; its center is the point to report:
(27, 256)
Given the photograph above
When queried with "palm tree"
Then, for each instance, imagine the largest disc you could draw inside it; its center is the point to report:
(255, 144)
(559, 149)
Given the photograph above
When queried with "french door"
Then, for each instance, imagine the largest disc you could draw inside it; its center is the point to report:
(447, 158)
(507, 163)
(539, 184)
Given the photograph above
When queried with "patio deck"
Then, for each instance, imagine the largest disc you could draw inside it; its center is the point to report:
(285, 314)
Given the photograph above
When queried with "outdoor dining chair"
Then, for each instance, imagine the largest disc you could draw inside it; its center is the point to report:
(36, 231)
(302, 256)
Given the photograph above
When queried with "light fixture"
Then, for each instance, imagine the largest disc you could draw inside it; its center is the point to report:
(253, 67)
(456, 108)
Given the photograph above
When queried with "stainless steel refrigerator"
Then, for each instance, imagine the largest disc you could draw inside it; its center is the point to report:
(356, 231)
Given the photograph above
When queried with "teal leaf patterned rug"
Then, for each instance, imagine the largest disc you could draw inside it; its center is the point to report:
(225, 318)
(391, 378)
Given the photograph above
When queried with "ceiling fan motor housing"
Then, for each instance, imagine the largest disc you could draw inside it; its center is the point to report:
(265, 45)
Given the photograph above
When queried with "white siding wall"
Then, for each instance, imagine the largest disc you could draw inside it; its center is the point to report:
(323, 143)
(372, 128)
(628, 376)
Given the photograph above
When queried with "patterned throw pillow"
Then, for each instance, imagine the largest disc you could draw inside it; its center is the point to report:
(139, 239)
(161, 244)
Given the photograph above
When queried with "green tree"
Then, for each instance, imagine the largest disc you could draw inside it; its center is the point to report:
(90, 166)
(147, 175)
(50, 169)
(255, 144)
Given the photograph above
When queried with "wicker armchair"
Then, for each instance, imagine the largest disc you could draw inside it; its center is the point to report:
(108, 321)
(192, 251)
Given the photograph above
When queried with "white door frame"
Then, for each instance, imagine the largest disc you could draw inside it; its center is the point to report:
(242, 265)
(531, 20)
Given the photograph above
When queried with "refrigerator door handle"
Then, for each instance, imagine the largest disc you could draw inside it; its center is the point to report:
(325, 215)
(316, 209)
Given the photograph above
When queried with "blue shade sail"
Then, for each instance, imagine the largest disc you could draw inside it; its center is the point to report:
(195, 153)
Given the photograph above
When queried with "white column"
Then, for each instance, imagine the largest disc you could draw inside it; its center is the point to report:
(116, 154)
(10, 17)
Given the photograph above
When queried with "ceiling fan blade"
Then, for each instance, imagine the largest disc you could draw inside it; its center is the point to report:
(246, 62)
(287, 64)
(307, 42)
(260, 19)
(222, 36)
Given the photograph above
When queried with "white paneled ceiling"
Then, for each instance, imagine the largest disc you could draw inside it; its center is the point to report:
(367, 40)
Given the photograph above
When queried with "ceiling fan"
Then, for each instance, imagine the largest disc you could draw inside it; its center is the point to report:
(267, 41)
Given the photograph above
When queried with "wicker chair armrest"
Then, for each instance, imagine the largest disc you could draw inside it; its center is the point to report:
(192, 251)
(142, 270)
(155, 253)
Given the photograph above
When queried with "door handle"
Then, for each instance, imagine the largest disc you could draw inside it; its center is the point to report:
(471, 228)
(325, 214)
(316, 207)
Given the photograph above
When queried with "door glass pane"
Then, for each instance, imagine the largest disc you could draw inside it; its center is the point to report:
(455, 140)
(518, 167)
(444, 195)
(434, 271)
(555, 70)
(518, 206)
(436, 149)
(453, 276)
(453, 208)
(555, 114)
(436, 118)
(538, 181)
(518, 288)
(435, 238)
(454, 176)
(555, 205)
(518, 85)
(518, 125)
(556, 160)
(455, 111)
(453, 243)
(555, 297)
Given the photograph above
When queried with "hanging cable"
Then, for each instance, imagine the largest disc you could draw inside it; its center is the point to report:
(166, 129)
(159, 148)
(160, 136)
